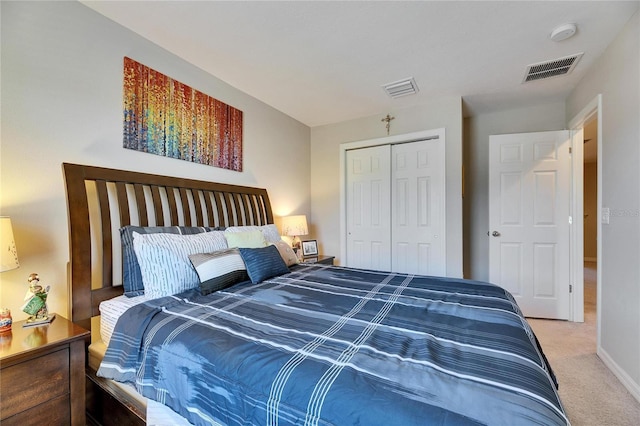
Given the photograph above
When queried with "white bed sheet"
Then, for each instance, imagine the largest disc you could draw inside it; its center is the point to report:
(110, 310)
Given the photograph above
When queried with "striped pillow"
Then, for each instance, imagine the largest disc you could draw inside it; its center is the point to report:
(263, 263)
(131, 277)
(164, 260)
(219, 270)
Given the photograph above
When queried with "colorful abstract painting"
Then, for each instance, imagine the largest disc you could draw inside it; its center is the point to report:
(165, 117)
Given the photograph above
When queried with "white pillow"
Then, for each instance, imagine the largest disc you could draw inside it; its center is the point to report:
(164, 260)
(270, 232)
(287, 253)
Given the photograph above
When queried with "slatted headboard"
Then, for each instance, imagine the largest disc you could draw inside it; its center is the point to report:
(101, 200)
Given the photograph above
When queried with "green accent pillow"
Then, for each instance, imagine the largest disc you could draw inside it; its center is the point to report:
(249, 239)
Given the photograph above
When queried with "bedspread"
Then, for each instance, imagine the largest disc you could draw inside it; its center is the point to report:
(338, 346)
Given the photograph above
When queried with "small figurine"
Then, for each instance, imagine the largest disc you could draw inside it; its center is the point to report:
(36, 302)
(5, 320)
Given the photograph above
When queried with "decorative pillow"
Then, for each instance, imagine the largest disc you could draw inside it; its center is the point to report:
(164, 260)
(248, 239)
(263, 263)
(287, 253)
(219, 270)
(270, 231)
(132, 280)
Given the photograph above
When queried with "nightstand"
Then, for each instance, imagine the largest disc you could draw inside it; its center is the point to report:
(324, 260)
(43, 374)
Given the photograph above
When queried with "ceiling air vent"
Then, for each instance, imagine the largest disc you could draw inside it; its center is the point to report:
(400, 88)
(551, 68)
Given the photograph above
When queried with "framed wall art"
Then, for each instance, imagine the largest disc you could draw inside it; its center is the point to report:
(165, 117)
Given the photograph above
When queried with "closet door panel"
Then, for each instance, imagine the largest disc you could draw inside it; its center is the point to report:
(368, 208)
(418, 243)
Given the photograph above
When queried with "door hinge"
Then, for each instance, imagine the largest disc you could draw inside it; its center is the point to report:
(570, 288)
(569, 150)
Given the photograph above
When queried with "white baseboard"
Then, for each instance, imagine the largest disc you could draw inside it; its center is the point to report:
(625, 379)
(590, 259)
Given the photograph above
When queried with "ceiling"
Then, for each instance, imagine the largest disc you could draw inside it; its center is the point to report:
(324, 62)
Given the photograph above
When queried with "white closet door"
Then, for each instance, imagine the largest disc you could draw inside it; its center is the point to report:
(368, 211)
(418, 206)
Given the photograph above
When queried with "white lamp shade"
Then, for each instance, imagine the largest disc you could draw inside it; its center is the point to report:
(8, 253)
(294, 226)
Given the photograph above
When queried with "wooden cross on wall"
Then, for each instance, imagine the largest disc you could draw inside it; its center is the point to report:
(388, 119)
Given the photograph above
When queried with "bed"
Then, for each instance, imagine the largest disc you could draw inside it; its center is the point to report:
(314, 344)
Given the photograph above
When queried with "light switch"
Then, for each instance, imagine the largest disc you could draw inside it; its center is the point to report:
(605, 215)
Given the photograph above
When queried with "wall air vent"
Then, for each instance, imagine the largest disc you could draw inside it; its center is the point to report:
(400, 88)
(552, 68)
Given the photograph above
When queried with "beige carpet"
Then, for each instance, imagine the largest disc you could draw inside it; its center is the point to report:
(591, 394)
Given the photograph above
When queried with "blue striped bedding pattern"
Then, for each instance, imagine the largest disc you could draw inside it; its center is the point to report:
(328, 345)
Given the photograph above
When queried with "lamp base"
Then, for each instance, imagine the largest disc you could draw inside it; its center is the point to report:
(296, 244)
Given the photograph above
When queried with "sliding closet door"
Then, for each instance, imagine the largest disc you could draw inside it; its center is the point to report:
(368, 195)
(395, 207)
(417, 208)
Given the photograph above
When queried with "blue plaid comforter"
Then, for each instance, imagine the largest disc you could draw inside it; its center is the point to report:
(329, 345)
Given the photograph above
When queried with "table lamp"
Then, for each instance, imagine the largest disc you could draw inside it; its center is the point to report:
(294, 226)
(8, 255)
(8, 261)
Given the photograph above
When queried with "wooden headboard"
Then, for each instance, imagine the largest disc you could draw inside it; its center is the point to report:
(100, 201)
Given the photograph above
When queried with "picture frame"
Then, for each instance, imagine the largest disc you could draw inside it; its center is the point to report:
(309, 248)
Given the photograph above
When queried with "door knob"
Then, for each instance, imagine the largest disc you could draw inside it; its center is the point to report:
(495, 233)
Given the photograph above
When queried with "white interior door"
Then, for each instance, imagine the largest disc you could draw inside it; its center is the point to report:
(368, 191)
(417, 208)
(529, 208)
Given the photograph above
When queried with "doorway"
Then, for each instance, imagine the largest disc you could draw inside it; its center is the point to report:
(590, 215)
(588, 154)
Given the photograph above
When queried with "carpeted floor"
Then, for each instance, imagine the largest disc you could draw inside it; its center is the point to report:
(591, 394)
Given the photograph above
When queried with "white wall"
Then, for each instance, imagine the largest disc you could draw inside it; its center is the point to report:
(616, 76)
(477, 130)
(325, 169)
(61, 79)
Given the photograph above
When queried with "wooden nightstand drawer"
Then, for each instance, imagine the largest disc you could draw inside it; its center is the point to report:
(42, 370)
(51, 413)
(36, 380)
